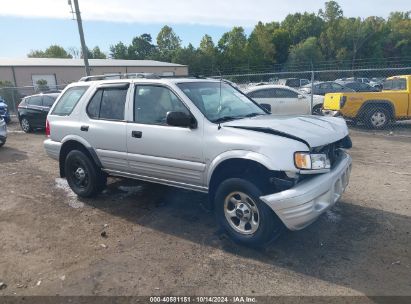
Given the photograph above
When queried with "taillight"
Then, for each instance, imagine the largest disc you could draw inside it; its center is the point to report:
(343, 100)
(47, 128)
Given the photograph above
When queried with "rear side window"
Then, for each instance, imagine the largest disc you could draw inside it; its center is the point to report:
(48, 100)
(283, 93)
(260, 94)
(398, 84)
(68, 101)
(108, 104)
(35, 101)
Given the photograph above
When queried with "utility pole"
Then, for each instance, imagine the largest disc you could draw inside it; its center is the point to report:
(82, 41)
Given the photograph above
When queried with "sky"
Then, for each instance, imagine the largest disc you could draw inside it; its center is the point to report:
(30, 25)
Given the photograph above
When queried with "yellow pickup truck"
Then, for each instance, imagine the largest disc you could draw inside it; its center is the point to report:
(375, 109)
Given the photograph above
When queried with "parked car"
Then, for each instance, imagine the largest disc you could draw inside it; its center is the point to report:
(285, 100)
(322, 88)
(3, 131)
(377, 82)
(261, 171)
(375, 109)
(4, 112)
(293, 82)
(32, 111)
(359, 86)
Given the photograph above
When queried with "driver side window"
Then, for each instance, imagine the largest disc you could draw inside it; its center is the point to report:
(152, 103)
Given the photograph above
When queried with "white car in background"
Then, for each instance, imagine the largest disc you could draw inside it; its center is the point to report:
(285, 100)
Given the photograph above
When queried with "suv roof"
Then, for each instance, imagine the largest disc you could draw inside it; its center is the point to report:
(44, 94)
(145, 80)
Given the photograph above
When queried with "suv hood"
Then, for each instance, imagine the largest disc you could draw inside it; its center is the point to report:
(315, 131)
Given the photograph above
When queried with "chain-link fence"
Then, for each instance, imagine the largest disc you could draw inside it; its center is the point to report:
(378, 103)
(12, 96)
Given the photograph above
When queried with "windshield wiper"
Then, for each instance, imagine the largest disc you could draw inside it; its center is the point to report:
(254, 114)
(226, 118)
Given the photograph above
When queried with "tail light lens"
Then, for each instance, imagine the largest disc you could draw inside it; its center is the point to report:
(47, 128)
(343, 100)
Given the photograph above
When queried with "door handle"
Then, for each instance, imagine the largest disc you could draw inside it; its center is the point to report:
(84, 128)
(136, 134)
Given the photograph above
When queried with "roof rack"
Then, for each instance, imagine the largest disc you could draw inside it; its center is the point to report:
(133, 76)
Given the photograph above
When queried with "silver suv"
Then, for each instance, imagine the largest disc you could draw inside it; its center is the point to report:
(262, 172)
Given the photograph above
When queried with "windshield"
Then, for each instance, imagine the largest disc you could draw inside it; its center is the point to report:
(229, 104)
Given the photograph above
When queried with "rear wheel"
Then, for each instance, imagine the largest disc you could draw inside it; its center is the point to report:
(243, 215)
(83, 176)
(377, 118)
(25, 125)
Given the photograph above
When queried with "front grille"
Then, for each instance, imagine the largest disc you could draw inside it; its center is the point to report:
(330, 150)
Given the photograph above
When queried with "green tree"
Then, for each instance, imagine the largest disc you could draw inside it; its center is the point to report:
(53, 51)
(119, 51)
(332, 12)
(167, 43)
(398, 40)
(141, 47)
(330, 38)
(233, 49)
(41, 85)
(261, 48)
(281, 41)
(307, 51)
(301, 26)
(96, 53)
(207, 54)
(191, 57)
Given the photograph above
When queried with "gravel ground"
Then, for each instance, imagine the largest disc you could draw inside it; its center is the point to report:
(161, 240)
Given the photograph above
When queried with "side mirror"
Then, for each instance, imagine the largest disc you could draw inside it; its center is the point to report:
(181, 119)
(266, 106)
(300, 96)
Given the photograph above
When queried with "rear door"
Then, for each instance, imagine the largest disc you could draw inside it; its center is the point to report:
(105, 126)
(35, 111)
(266, 96)
(290, 102)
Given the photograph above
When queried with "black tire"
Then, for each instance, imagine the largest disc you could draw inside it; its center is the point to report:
(377, 118)
(2, 143)
(317, 110)
(269, 227)
(25, 125)
(82, 174)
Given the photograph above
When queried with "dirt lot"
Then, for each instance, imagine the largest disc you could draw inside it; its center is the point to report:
(163, 241)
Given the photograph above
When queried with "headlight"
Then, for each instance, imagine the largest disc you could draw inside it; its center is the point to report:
(307, 161)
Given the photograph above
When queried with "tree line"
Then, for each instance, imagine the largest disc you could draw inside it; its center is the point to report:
(301, 40)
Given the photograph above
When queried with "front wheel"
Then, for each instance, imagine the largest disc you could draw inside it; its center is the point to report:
(83, 176)
(243, 215)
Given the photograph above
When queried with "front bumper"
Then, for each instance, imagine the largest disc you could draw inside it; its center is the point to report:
(301, 205)
(52, 148)
(331, 113)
